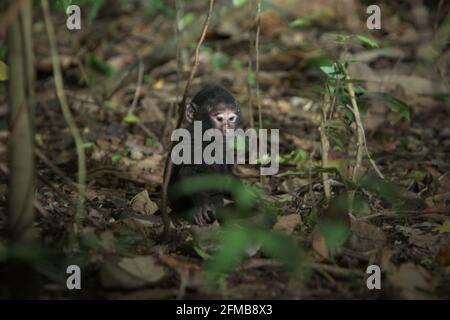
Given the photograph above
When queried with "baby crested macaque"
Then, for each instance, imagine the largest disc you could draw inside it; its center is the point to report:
(215, 108)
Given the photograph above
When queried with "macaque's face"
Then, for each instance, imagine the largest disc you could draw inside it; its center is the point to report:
(224, 119)
(221, 116)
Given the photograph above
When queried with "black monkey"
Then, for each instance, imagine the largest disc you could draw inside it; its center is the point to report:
(216, 108)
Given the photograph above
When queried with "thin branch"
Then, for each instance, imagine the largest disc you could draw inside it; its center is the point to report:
(172, 107)
(325, 143)
(54, 168)
(169, 165)
(85, 77)
(361, 140)
(258, 31)
(138, 86)
(59, 86)
(250, 71)
(372, 162)
(196, 63)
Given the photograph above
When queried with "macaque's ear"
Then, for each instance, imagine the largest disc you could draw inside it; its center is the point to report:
(190, 112)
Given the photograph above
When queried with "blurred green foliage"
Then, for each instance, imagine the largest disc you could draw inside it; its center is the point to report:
(93, 6)
(99, 65)
(155, 7)
(246, 226)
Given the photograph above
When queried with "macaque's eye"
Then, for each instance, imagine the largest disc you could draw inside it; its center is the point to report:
(232, 118)
(219, 118)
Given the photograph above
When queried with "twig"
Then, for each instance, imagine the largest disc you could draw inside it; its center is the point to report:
(169, 165)
(54, 168)
(196, 62)
(138, 86)
(338, 271)
(250, 71)
(360, 140)
(137, 93)
(172, 107)
(325, 143)
(258, 31)
(59, 86)
(85, 77)
(372, 162)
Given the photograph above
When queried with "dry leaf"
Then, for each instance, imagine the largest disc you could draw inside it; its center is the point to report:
(444, 228)
(288, 223)
(143, 204)
(366, 237)
(411, 279)
(130, 273)
(293, 184)
(319, 244)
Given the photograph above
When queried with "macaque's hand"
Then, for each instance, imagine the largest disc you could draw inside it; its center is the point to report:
(205, 213)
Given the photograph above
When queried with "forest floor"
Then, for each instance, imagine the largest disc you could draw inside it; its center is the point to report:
(125, 154)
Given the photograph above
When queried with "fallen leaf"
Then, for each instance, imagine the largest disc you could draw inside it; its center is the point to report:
(288, 223)
(158, 85)
(293, 184)
(319, 244)
(143, 204)
(130, 273)
(444, 228)
(366, 237)
(419, 238)
(412, 280)
(283, 106)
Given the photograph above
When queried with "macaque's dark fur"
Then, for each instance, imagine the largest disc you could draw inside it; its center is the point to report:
(203, 206)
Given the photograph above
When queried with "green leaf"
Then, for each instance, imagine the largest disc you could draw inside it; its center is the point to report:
(63, 4)
(398, 105)
(116, 158)
(335, 234)
(417, 175)
(366, 40)
(332, 71)
(186, 20)
(233, 246)
(111, 105)
(96, 6)
(328, 69)
(238, 3)
(155, 7)
(220, 60)
(301, 22)
(130, 118)
(251, 79)
(3, 71)
(100, 66)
